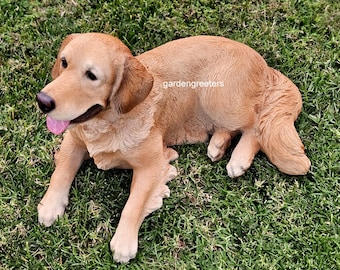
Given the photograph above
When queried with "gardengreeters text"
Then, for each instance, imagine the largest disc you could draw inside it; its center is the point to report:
(192, 84)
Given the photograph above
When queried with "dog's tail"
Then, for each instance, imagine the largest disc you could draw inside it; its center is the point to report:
(278, 137)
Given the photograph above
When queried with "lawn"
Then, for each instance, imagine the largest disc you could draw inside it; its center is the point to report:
(262, 220)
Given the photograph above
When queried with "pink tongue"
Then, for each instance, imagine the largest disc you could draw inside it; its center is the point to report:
(56, 126)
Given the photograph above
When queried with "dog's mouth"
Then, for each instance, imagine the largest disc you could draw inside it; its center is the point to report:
(88, 114)
(57, 127)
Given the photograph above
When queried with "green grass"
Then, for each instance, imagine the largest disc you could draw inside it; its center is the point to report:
(262, 220)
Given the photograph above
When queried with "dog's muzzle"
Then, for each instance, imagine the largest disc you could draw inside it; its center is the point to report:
(47, 105)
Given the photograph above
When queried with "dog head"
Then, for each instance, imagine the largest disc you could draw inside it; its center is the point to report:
(93, 72)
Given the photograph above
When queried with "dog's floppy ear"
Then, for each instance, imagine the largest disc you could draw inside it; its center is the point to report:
(132, 85)
(56, 67)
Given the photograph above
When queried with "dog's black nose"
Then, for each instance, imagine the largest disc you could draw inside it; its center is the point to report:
(45, 102)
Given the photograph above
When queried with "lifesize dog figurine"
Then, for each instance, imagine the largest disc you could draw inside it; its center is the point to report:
(124, 111)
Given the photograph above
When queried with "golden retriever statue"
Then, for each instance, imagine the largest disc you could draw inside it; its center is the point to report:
(124, 112)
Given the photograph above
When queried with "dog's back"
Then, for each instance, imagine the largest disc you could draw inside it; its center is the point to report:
(225, 85)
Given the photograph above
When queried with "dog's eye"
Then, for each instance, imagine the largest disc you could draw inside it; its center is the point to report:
(91, 76)
(63, 62)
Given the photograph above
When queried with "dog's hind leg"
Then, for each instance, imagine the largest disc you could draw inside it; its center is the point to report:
(243, 154)
(218, 144)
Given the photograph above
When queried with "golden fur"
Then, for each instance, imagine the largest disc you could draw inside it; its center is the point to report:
(141, 116)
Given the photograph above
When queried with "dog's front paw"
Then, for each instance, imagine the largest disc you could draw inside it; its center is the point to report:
(49, 209)
(172, 173)
(170, 154)
(124, 248)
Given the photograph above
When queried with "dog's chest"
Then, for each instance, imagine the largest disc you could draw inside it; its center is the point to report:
(109, 144)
